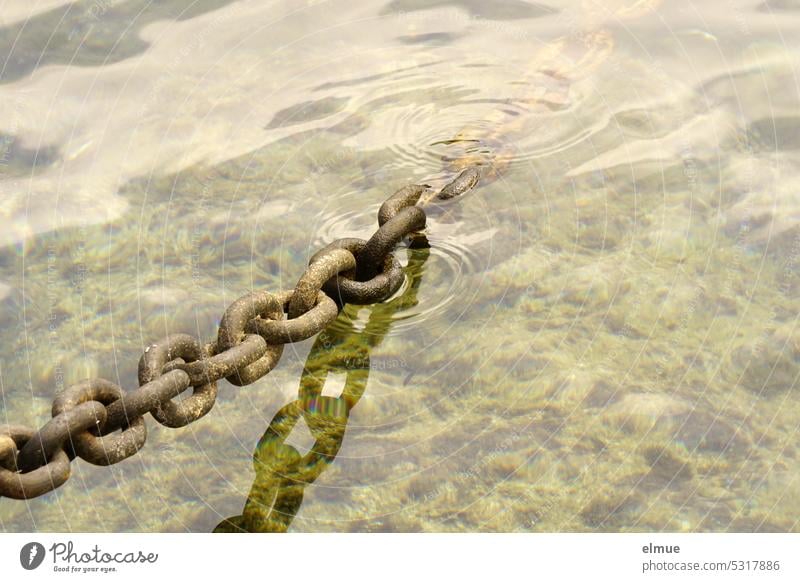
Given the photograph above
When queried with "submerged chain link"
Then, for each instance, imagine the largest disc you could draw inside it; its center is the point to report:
(101, 423)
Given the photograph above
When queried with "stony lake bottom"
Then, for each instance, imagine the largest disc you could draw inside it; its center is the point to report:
(603, 335)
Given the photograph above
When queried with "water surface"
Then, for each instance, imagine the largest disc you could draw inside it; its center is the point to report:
(603, 336)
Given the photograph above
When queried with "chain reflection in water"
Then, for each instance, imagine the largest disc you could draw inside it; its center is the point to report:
(282, 474)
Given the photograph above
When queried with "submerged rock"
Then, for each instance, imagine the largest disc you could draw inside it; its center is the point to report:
(666, 468)
(706, 432)
(640, 412)
(611, 511)
(769, 363)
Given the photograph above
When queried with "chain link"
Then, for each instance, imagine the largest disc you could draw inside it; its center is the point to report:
(103, 424)
(464, 182)
(51, 438)
(176, 347)
(403, 198)
(98, 446)
(394, 230)
(326, 266)
(18, 485)
(302, 327)
(345, 289)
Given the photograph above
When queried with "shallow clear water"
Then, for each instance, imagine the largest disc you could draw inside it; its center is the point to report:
(604, 335)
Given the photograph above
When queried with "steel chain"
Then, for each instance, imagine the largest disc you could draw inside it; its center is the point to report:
(103, 424)
(346, 289)
(282, 473)
(98, 446)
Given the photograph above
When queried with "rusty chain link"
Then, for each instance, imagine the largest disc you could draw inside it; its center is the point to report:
(102, 424)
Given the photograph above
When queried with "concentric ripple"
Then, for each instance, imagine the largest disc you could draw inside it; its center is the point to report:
(443, 288)
(439, 127)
